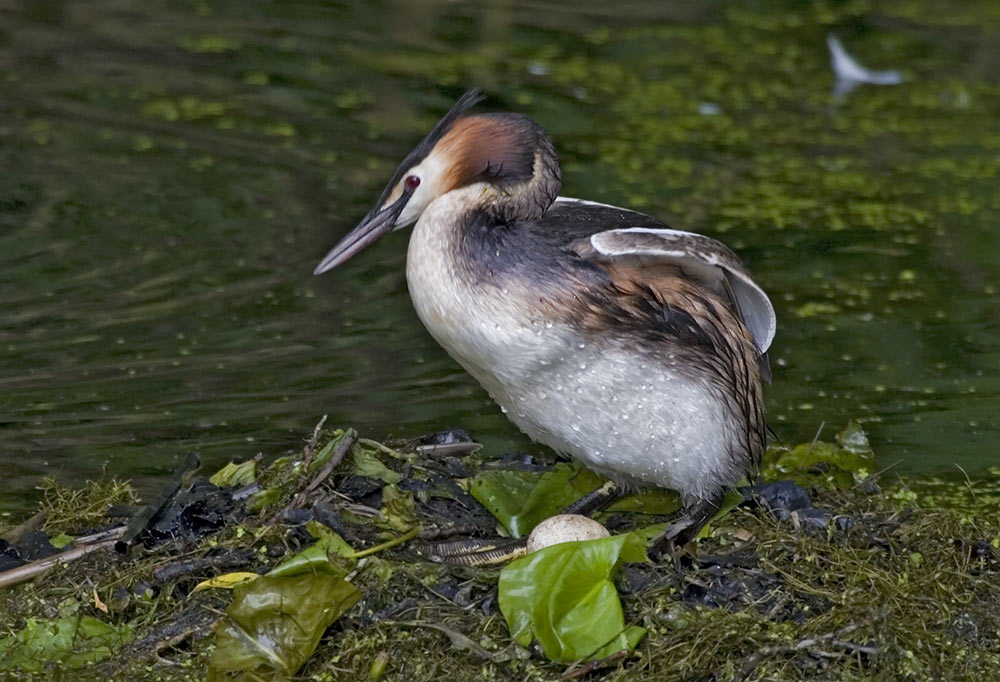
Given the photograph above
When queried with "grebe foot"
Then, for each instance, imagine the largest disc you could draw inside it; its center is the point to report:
(684, 530)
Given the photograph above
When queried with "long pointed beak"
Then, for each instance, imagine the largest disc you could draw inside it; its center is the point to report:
(368, 231)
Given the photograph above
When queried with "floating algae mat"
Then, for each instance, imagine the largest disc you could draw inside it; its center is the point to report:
(314, 568)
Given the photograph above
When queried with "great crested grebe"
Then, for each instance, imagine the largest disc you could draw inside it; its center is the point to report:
(601, 332)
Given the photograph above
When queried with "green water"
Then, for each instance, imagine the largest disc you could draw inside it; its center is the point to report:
(173, 171)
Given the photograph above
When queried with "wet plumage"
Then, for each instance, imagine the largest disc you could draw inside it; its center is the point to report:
(638, 349)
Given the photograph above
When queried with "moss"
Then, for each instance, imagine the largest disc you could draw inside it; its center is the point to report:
(909, 590)
(69, 510)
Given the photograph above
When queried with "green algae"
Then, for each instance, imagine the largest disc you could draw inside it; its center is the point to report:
(907, 589)
(209, 182)
(830, 204)
(71, 509)
(70, 642)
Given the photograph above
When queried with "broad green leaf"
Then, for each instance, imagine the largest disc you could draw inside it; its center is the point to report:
(397, 510)
(628, 638)
(60, 540)
(263, 499)
(313, 559)
(564, 596)
(503, 494)
(521, 500)
(68, 642)
(274, 624)
(649, 533)
(316, 557)
(226, 581)
(330, 539)
(854, 439)
(648, 501)
(367, 464)
(243, 473)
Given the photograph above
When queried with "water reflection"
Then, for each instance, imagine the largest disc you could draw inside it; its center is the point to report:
(849, 74)
(173, 173)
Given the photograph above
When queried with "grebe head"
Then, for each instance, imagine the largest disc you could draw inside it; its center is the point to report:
(507, 153)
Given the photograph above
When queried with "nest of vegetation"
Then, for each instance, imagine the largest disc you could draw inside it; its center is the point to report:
(896, 582)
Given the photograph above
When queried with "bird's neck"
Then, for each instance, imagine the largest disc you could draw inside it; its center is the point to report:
(528, 200)
(462, 232)
(503, 203)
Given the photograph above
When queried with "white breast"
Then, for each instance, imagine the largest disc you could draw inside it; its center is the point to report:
(625, 414)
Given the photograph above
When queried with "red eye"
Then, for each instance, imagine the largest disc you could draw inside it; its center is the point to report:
(411, 182)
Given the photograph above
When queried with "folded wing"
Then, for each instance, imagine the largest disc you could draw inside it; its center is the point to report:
(701, 258)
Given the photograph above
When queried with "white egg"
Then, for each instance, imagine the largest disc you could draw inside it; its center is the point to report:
(565, 528)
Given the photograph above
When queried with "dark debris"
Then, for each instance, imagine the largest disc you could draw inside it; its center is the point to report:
(736, 589)
(10, 556)
(35, 545)
(200, 510)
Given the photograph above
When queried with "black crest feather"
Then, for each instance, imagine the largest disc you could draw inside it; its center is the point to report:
(464, 103)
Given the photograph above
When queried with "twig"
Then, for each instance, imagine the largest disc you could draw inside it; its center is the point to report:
(100, 536)
(968, 482)
(816, 437)
(15, 534)
(312, 443)
(171, 641)
(856, 648)
(878, 473)
(336, 458)
(197, 622)
(36, 568)
(408, 535)
(450, 531)
(459, 641)
(381, 447)
(808, 644)
(176, 569)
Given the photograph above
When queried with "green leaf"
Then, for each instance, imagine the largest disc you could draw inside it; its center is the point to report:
(628, 638)
(521, 500)
(232, 474)
(274, 624)
(61, 540)
(824, 464)
(323, 455)
(367, 464)
(398, 509)
(649, 533)
(263, 499)
(313, 559)
(648, 501)
(69, 642)
(226, 581)
(564, 596)
(330, 539)
(503, 494)
(316, 557)
(854, 439)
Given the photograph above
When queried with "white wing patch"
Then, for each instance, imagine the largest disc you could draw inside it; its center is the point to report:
(700, 257)
(585, 202)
